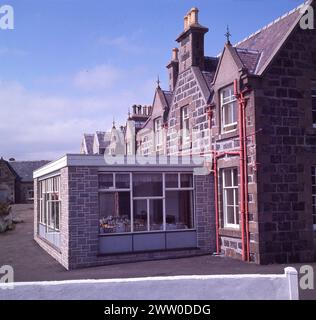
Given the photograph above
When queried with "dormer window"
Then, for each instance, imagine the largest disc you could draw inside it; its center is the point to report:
(228, 109)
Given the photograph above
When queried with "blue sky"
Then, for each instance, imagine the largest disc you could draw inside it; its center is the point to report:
(69, 66)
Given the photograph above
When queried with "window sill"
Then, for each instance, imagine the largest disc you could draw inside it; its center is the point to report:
(144, 232)
(228, 135)
(230, 232)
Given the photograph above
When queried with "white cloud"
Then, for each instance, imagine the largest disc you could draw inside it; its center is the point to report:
(124, 43)
(98, 78)
(12, 52)
(35, 125)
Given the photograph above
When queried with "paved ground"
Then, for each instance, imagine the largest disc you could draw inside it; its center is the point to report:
(31, 263)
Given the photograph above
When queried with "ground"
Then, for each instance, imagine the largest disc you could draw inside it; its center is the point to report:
(31, 263)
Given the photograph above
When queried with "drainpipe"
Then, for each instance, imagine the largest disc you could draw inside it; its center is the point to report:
(246, 178)
(218, 249)
(241, 169)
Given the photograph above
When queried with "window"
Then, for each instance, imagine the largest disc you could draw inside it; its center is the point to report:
(314, 195)
(185, 125)
(230, 197)
(314, 103)
(30, 193)
(49, 204)
(145, 185)
(115, 212)
(158, 133)
(114, 202)
(228, 109)
(145, 202)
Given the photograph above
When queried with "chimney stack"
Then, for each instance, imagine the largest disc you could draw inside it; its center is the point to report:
(191, 40)
(173, 69)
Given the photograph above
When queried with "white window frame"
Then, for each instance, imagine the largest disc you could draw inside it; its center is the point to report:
(228, 102)
(46, 189)
(158, 133)
(149, 198)
(235, 204)
(313, 195)
(185, 125)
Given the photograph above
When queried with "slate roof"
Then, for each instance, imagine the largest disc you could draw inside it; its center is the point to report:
(89, 139)
(24, 169)
(258, 49)
(168, 96)
(104, 138)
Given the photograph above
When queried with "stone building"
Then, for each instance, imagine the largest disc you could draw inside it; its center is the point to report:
(253, 104)
(250, 113)
(16, 180)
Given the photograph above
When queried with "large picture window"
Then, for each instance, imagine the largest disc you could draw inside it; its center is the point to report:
(230, 197)
(145, 202)
(314, 195)
(228, 109)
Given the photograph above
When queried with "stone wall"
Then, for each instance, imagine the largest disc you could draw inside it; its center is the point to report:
(189, 93)
(286, 150)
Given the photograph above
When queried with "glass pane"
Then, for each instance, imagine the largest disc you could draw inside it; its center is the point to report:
(230, 215)
(179, 210)
(229, 197)
(115, 212)
(147, 184)
(235, 111)
(235, 176)
(186, 180)
(140, 215)
(106, 181)
(237, 214)
(227, 178)
(156, 214)
(122, 181)
(172, 180)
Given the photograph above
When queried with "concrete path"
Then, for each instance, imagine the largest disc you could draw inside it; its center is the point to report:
(31, 263)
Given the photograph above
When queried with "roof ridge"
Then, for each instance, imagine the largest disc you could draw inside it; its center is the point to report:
(274, 22)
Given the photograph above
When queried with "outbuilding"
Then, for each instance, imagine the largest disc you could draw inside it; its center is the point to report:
(96, 210)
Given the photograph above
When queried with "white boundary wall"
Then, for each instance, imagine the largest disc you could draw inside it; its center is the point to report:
(222, 287)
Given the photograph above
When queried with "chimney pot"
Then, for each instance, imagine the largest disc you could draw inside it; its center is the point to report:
(186, 22)
(194, 16)
(175, 52)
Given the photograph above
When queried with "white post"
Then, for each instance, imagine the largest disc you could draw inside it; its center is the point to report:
(292, 277)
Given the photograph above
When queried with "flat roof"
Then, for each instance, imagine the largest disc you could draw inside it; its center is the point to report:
(123, 163)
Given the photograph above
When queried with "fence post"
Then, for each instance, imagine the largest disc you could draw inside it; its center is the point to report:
(292, 277)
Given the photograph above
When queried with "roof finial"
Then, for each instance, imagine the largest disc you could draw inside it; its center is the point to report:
(113, 123)
(228, 35)
(158, 82)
